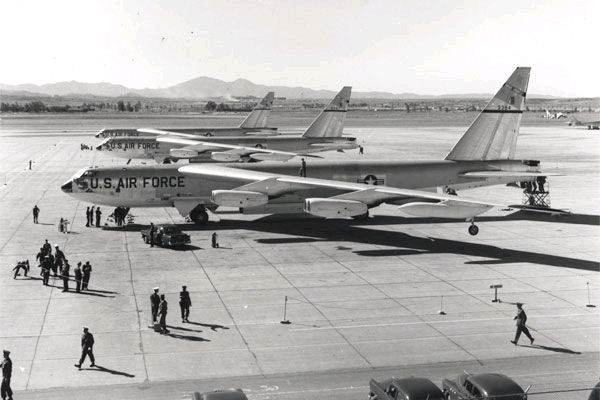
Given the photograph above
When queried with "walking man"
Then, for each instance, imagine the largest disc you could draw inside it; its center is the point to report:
(98, 215)
(78, 277)
(87, 272)
(521, 318)
(87, 343)
(162, 313)
(303, 168)
(154, 303)
(184, 303)
(88, 216)
(36, 213)
(24, 265)
(360, 150)
(64, 273)
(6, 366)
(46, 264)
(214, 242)
(59, 259)
(46, 247)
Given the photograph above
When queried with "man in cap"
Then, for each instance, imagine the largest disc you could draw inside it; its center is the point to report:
(64, 274)
(98, 215)
(59, 259)
(154, 303)
(87, 344)
(78, 277)
(521, 318)
(36, 213)
(184, 303)
(87, 273)
(46, 247)
(46, 265)
(162, 313)
(6, 366)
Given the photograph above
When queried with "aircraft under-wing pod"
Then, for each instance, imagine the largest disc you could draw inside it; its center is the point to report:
(483, 156)
(324, 134)
(254, 124)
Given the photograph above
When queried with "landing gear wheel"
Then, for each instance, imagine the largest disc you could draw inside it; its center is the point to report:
(473, 230)
(199, 215)
(167, 161)
(361, 217)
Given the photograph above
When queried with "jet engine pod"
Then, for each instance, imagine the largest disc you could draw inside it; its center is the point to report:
(238, 198)
(224, 156)
(183, 153)
(335, 208)
(271, 156)
(445, 209)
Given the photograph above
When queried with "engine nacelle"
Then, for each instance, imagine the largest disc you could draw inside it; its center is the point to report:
(271, 156)
(238, 198)
(224, 156)
(444, 209)
(183, 153)
(335, 208)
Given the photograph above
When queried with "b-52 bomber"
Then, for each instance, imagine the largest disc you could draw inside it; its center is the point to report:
(483, 156)
(324, 134)
(254, 124)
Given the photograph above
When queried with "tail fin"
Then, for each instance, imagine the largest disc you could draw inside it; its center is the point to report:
(493, 135)
(259, 115)
(330, 122)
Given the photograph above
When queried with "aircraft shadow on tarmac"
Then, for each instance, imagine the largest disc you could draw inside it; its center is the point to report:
(100, 368)
(555, 349)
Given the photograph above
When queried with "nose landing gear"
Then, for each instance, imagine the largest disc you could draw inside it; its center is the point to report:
(473, 229)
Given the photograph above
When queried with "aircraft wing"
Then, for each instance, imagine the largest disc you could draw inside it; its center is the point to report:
(192, 146)
(272, 185)
(502, 174)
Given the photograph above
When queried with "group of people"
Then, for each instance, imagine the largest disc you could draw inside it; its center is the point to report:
(120, 214)
(89, 213)
(536, 185)
(58, 263)
(160, 307)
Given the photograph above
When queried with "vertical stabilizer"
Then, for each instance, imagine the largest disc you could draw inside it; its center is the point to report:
(493, 135)
(259, 115)
(330, 122)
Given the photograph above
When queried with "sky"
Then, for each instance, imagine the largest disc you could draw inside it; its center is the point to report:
(424, 47)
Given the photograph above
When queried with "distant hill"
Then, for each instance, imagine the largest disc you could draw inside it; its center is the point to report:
(206, 88)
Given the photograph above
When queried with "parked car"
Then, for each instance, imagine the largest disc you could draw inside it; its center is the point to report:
(404, 389)
(488, 386)
(226, 394)
(166, 236)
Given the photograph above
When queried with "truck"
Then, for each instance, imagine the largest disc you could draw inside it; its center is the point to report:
(166, 236)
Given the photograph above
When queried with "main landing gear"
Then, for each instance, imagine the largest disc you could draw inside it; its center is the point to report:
(473, 229)
(199, 215)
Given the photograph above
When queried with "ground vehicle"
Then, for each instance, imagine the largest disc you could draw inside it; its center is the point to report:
(404, 389)
(166, 236)
(488, 386)
(226, 394)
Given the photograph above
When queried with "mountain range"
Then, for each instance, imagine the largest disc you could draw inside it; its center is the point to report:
(209, 88)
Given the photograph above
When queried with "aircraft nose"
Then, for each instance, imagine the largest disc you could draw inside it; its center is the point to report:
(67, 187)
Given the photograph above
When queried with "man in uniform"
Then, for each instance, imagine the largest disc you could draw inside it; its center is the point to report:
(162, 313)
(88, 216)
(152, 233)
(6, 365)
(521, 318)
(214, 242)
(21, 265)
(46, 247)
(46, 265)
(98, 215)
(78, 277)
(154, 303)
(92, 216)
(87, 343)
(36, 213)
(87, 272)
(64, 273)
(303, 168)
(59, 259)
(184, 303)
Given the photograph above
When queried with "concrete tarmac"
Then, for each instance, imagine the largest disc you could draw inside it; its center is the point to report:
(363, 296)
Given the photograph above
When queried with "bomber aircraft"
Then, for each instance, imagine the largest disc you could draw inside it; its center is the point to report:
(590, 124)
(483, 156)
(324, 134)
(255, 123)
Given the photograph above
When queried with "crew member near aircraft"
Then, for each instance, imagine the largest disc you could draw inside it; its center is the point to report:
(98, 215)
(46, 265)
(88, 216)
(24, 265)
(152, 233)
(92, 216)
(87, 344)
(59, 259)
(521, 318)
(78, 277)
(162, 313)
(47, 248)
(541, 180)
(6, 366)
(303, 168)
(36, 213)
(213, 239)
(361, 150)
(64, 273)
(154, 303)
(184, 303)
(87, 273)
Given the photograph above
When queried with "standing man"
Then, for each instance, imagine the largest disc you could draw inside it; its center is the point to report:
(162, 313)
(46, 247)
(98, 215)
(361, 151)
(521, 318)
(184, 303)
(92, 216)
(78, 277)
(59, 259)
(152, 233)
(64, 273)
(36, 213)
(214, 242)
(46, 264)
(6, 366)
(303, 168)
(87, 272)
(154, 303)
(87, 343)
(88, 216)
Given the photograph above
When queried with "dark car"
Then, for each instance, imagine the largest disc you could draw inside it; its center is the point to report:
(226, 394)
(167, 236)
(488, 386)
(404, 389)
